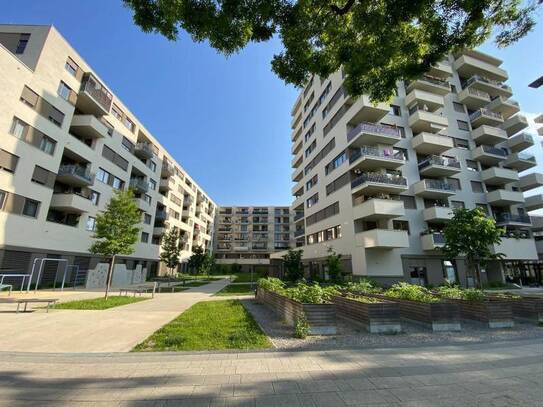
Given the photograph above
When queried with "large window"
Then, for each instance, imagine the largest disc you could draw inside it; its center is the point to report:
(313, 200)
(64, 91)
(91, 224)
(30, 208)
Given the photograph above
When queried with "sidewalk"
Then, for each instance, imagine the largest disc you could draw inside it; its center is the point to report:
(115, 330)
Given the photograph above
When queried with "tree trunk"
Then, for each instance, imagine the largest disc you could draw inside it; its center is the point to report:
(109, 276)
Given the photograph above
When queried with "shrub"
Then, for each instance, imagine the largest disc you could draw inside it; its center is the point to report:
(311, 294)
(271, 284)
(301, 327)
(457, 293)
(411, 292)
(362, 286)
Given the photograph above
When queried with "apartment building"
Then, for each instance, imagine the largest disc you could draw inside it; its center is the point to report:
(247, 235)
(67, 144)
(378, 182)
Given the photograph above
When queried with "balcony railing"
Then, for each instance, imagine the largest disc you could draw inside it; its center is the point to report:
(526, 157)
(139, 184)
(362, 199)
(485, 112)
(506, 100)
(437, 160)
(431, 79)
(144, 148)
(299, 216)
(368, 151)
(478, 78)
(437, 237)
(494, 150)
(373, 129)
(439, 185)
(98, 92)
(509, 217)
(479, 93)
(75, 170)
(379, 178)
(161, 215)
(299, 232)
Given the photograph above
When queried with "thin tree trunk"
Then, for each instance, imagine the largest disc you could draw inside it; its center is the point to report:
(109, 276)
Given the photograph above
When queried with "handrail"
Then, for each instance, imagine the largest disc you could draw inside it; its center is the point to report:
(389, 154)
(438, 160)
(375, 129)
(378, 178)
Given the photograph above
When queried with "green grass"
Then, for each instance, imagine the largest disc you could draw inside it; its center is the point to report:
(99, 303)
(236, 289)
(208, 325)
(245, 277)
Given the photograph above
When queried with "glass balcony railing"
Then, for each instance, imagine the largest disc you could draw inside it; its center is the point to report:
(437, 160)
(432, 80)
(139, 184)
(437, 237)
(368, 151)
(526, 157)
(379, 178)
(75, 171)
(97, 91)
(366, 127)
(478, 78)
(439, 185)
(485, 112)
(509, 217)
(478, 93)
(494, 150)
(299, 232)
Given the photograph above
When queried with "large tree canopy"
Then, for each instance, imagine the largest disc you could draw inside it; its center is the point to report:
(376, 41)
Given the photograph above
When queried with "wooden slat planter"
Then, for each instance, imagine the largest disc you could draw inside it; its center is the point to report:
(379, 317)
(528, 308)
(438, 316)
(497, 313)
(320, 317)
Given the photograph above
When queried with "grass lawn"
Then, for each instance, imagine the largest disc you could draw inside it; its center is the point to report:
(245, 277)
(208, 325)
(236, 289)
(99, 303)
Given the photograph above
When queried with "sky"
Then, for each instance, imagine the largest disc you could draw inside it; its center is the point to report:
(225, 120)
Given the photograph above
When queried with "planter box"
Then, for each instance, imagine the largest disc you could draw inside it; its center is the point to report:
(497, 313)
(379, 317)
(438, 316)
(320, 317)
(528, 308)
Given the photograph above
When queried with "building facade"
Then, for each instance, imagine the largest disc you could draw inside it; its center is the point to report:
(247, 235)
(67, 144)
(378, 182)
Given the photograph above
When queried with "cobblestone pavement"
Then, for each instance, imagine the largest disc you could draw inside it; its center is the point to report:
(498, 374)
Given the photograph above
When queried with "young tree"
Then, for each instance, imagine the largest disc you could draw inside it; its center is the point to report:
(196, 260)
(335, 267)
(376, 42)
(293, 264)
(171, 246)
(470, 233)
(116, 230)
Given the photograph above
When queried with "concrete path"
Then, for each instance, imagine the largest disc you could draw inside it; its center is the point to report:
(115, 330)
(499, 374)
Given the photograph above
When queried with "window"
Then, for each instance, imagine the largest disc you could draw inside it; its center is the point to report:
(116, 112)
(338, 183)
(152, 166)
(458, 205)
(144, 237)
(336, 162)
(71, 67)
(310, 149)
(472, 165)
(400, 225)
(47, 145)
(311, 183)
(482, 206)
(23, 42)
(325, 213)
(403, 151)
(402, 131)
(43, 177)
(30, 208)
(147, 218)
(94, 197)
(29, 97)
(313, 200)
(127, 145)
(8, 161)
(18, 128)
(449, 272)
(394, 110)
(455, 183)
(152, 184)
(129, 124)
(2, 199)
(147, 198)
(64, 91)
(324, 235)
(117, 183)
(462, 125)
(477, 186)
(460, 143)
(453, 88)
(409, 202)
(32, 136)
(102, 175)
(44, 108)
(459, 107)
(91, 224)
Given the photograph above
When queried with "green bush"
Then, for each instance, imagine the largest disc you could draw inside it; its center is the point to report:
(311, 294)
(457, 293)
(411, 292)
(362, 286)
(271, 284)
(301, 327)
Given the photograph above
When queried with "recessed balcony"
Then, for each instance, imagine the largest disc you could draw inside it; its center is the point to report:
(520, 142)
(431, 188)
(142, 204)
(530, 181)
(93, 97)
(366, 111)
(432, 241)
(474, 98)
(514, 248)
(372, 183)
(297, 175)
(487, 117)
(159, 230)
(376, 209)
(87, 126)
(436, 166)
(489, 155)
(296, 147)
(139, 185)
(515, 124)
(493, 88)
(499, 176)
(166, 184)
(425, 121)
(421, 97)
(509, 219)
(504, 106)
(75, 175)
(167, 169)
(430, 84)
(366, 158)
(297, 160)
(437, 214)
(504, 197)
(488, 135)
(520, 161)
(370, 133)
(71, 203)
(430, 143)
(475, 63)
(534, 202)
(143, 150)
(382, 239)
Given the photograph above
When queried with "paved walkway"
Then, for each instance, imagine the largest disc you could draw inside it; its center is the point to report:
(500, 374)
(115, 330)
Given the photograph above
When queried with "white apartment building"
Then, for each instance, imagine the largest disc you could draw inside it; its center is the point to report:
(377, 182)
(247, 235)
(67, 143)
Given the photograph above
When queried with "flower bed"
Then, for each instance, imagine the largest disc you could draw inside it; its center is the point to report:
(377, 315)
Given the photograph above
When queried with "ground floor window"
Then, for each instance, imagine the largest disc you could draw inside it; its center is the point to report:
(449, 272)
(418, 275)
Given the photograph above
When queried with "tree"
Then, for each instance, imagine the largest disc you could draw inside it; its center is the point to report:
(335, 267)
(116, 230)
(197, 259)
(470, 233)
(171, 246)
(376, 42)
(293, 265)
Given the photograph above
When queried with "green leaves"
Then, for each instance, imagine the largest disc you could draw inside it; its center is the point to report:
(171, 246)
(293, 265)
(376, 42)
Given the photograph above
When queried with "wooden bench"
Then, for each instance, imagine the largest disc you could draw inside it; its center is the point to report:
(26, 301)
(172, 285)
(139, 289)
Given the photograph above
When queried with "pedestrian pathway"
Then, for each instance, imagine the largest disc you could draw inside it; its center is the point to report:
(117, 329)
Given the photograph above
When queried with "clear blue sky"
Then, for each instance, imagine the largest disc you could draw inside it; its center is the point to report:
(226, 120)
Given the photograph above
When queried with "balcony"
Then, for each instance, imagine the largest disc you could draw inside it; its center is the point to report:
(534, 202)
(423, 121)
(167, 170)
(489, 155)
(166, 184)
(520, 161)
(71, 203)
(474, 98)
(440, 70)
(93, 97)
(382, 239)
(367, 111)
(373, 158)
(297, 160)
(143, 150)
(299, 233)
(499, 176)
(296, 147)
(161, 215)
(437, 214)
(504, 197)
(298, 216)
(371, 183)
(421, 97)
(436, 166)
(493, 88)
(509, 219)
(514, 124)
(75, 175)
(159, 230)
(377, 208)
(432, 241)
(142, 204)
(139, 185)
(371, 133)
(430, 84)
(87, 126)
(505, 106)
(431, 188)
(522, 248)
(430, 143)
(476, 63)
(488, 135)
(297, 175)
(530, 181)
(520, 142)
(487, 117)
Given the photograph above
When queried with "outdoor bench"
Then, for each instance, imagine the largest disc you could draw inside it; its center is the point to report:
(26, 301)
